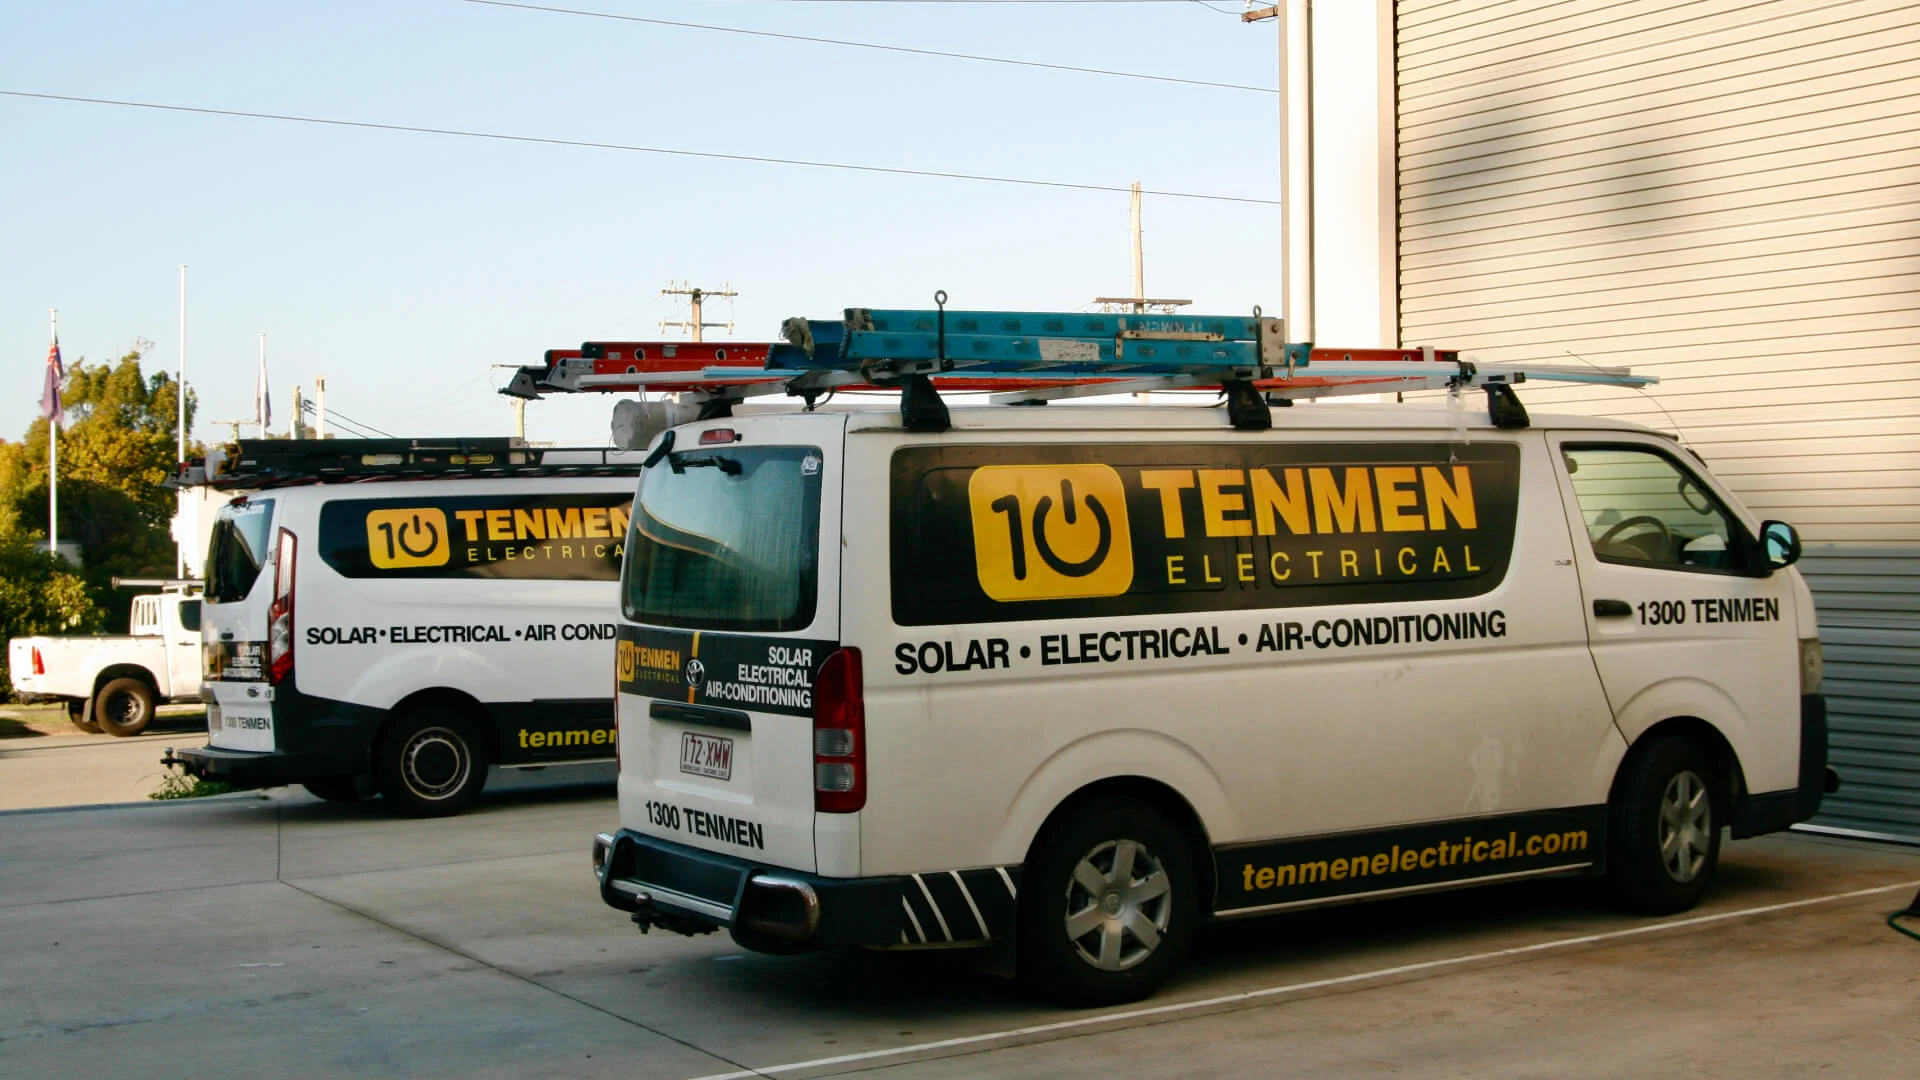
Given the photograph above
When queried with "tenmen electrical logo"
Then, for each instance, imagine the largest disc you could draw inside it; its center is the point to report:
(1047, 532)
(410, 536)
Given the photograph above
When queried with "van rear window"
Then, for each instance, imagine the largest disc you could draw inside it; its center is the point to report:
(727, 540)
(238, 549)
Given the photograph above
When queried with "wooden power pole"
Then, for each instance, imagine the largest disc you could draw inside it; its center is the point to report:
(695, 322)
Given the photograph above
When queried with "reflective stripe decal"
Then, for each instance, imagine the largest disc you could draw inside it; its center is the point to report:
(914, 919)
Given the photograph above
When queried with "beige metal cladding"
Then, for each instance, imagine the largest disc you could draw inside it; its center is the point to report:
(1724, 193)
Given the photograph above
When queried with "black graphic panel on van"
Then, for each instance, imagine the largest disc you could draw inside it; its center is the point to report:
(984, 534)
(735, 671)
(571, 537)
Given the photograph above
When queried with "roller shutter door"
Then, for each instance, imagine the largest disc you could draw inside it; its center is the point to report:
(1724, 193)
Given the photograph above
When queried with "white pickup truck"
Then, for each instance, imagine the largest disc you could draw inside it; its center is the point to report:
(114, 683)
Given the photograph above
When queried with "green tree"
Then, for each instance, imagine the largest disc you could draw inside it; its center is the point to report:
(117, 447)
(38, 593)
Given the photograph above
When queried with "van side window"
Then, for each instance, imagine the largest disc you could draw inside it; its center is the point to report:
(1643, 508)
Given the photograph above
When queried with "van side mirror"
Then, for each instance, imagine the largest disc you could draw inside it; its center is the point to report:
(1781, 544)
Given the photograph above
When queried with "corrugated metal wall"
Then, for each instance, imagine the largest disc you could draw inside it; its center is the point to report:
(1724, 193)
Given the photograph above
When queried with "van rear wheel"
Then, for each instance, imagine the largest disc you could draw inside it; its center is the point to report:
(1109, 904)
(124, 707)
(1665, 829)
(431, 763)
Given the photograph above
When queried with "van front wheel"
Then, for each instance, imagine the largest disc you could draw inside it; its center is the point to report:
(431, 763)
(1109, 905)
(1665, 829)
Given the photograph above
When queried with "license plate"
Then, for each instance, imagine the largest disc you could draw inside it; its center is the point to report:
(706, 755)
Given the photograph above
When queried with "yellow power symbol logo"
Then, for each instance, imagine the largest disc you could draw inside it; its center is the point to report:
(1050, 532)
(409, 537)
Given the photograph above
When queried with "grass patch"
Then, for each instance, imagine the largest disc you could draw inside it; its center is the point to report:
(181, 786)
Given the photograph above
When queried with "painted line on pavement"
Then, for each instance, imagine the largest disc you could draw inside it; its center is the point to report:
(1301, 987)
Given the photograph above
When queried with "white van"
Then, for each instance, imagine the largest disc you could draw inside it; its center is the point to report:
(1080, 679)
(394, 620)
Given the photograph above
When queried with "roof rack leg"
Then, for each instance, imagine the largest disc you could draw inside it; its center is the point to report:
(1503, 406)
(1245, 406)
(920, 406)
(716, 408)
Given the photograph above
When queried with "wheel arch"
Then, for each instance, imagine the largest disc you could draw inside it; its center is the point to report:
(1730, 777)
(1163, 799)
(126, 671)
(445, 697)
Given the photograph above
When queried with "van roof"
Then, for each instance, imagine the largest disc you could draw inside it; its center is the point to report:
(1196, 417)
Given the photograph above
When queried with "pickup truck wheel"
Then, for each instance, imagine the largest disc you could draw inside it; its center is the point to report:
(77, 712)
(124, 707)
(431, 763)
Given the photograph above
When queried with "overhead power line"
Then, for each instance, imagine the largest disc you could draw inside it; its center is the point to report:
(631, 148)
(873, 45)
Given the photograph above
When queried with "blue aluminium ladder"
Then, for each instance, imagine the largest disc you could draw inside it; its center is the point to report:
(1031, 357)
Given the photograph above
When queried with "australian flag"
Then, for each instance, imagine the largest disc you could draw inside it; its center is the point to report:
(50, 406)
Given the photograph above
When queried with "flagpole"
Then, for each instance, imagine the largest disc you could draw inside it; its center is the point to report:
(53, 456)
(262, 410)
(180, 391)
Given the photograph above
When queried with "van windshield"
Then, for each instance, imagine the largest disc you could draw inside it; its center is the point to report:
(238, 549)
(726, 540)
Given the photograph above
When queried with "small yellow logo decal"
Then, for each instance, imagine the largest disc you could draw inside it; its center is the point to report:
(398, 539)
(1050, 532)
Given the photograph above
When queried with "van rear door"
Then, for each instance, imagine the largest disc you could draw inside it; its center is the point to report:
(729, 594)
(234, 626)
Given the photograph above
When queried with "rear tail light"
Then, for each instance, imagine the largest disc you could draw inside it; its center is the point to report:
(39, 665)
(280, 615)
(839, 735)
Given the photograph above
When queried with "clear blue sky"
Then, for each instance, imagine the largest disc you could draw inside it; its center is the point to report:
(399, 266)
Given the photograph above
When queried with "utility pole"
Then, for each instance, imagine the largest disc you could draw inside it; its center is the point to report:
(320, 407)
(180, 391)
(299, 430)
(696, 295)
(1296, 159)
(1139, 303)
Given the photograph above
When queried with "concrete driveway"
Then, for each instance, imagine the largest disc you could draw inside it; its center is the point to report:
(288, 937)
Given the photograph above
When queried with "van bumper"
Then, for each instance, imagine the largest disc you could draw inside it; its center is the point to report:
(766, 908)
(1773, 811)
(245, 769)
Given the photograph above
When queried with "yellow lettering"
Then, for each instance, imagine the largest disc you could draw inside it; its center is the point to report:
(1440, 563)
(499, 525)
(1334, 510)
(529, 525)
(1441, 497)
(537, 739)
(1409, 561)
(1380, 863)
(1206, 569)
(595, 518)
(1315, 556)
(1397, 496)
(563, 524)
(617, 518)
(1288, 503)
(1468, 558)
(1338, 870)
(1216, 502)
(1263, 879)
(471, 519)
(1169, 483)
(1176, 570)
(1243, 565)
(1273, 566)
(1349, 563)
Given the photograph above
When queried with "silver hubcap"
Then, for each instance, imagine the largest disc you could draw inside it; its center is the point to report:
(1686, 826)
(1117, 905)
(435, 763)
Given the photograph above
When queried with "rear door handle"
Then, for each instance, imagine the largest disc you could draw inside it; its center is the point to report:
(1611, 609)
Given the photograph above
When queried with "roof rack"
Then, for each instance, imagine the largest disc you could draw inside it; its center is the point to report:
(1026, 358)
(254, 464)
